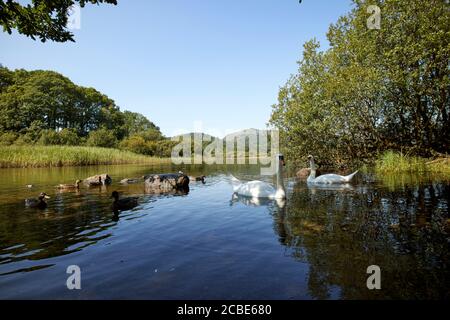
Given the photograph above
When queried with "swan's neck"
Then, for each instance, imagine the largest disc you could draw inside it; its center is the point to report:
(280, 182)
(312, 175)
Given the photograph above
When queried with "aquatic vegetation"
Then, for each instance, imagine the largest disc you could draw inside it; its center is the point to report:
(397, 162)
(58, 156)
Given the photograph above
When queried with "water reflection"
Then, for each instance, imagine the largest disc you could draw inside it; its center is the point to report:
(334, 232)
(339, 234)
(257, 202)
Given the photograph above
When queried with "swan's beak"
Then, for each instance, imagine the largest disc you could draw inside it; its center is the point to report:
(283, 163)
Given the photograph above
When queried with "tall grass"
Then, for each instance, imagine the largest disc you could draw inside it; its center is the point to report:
(396, 162)
(57, 156)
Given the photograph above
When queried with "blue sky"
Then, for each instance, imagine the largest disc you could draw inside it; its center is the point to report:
(181, 62)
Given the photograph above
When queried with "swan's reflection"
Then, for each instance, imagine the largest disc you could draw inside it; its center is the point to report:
(331, 187)
(257, 202)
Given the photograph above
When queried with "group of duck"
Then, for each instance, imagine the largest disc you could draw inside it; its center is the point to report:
(164, 182)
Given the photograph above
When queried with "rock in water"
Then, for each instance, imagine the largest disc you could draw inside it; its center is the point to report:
(106, 179)
(167, 181)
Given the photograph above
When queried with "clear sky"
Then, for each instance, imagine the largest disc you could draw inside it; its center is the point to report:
(179, 62)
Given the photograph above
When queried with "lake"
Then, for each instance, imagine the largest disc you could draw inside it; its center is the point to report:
(208, 244)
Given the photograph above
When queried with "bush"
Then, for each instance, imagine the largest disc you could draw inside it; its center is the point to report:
(24, 139)
(49, 137)
(8, 138)
(161, 148)
(33, 132)
(102, 138)
(136, 144)
(150, 135)
(69, 137)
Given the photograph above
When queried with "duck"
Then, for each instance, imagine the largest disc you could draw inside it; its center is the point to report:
(96, 183)
(194, 178)
(75, 186)
(104, 178)
(261, 189)
(197, 179)
(38, 203)
(124, 203)
(331, 178)
(130, 181)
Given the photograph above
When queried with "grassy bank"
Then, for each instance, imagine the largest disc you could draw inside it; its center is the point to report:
(57, 156)
(395, 162)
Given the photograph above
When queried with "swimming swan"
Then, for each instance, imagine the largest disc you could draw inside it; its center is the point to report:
(260, 189)
(326, 178)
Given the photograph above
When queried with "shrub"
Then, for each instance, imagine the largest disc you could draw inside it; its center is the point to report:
(69, 137)
(49, 137)
(8, 138)
(102, 138)
(161, 148)
(24, 139)
(136, 144)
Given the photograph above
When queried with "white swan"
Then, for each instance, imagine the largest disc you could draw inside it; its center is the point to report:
(326, 178)
(260, 189)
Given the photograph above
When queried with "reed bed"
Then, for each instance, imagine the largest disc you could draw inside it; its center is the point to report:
(396, 162)
(58, 156)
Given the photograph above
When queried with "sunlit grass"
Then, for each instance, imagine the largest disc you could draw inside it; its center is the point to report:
(392, 162)
(58, 156)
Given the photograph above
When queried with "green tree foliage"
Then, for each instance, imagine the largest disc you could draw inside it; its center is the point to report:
(46, 108)
(102, 138)
(136, 122)
(372, 90)
(55, 101)
(66, 137)
(46, 20)
(8, 138)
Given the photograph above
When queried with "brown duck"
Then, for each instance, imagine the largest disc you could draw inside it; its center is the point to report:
(75, 186)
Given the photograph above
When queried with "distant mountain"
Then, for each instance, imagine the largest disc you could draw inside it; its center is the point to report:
(204, 135)
(234, 135)
(245, 132)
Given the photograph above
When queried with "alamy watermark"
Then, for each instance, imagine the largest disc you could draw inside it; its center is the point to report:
(73, 282)
(374, 280)
(374, 21)
(74, 17)
(251, 145)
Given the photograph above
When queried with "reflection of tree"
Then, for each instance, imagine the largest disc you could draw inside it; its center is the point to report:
(339, 234)
(72, 223)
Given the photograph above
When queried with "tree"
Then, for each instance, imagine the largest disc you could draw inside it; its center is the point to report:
(372, 90)
(46, 20)
(47, 108)
(102, 138)
(135, 122)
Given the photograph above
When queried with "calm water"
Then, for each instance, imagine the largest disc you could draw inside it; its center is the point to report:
(207, 245)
